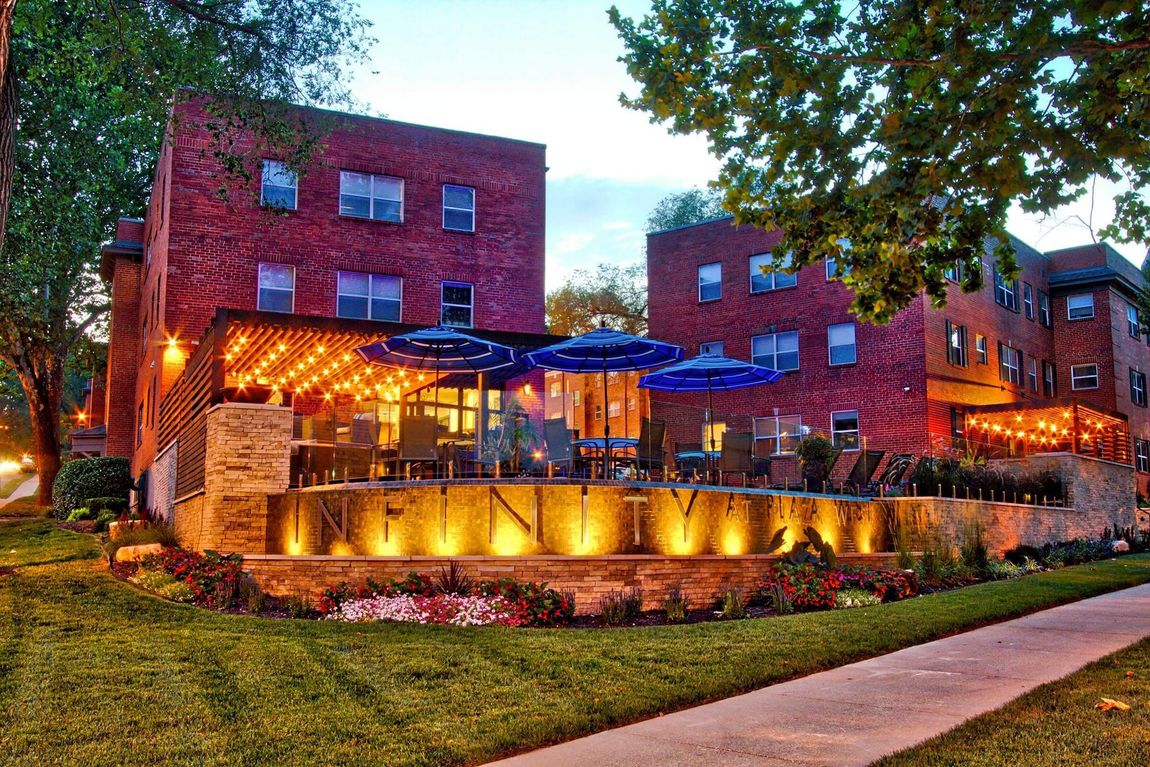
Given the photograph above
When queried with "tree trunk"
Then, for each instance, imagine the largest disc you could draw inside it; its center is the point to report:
(8, 112)
(43, 388)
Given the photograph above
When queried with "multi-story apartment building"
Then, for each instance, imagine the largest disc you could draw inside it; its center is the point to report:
(579, 398)
(1065, 330)
(265, 296)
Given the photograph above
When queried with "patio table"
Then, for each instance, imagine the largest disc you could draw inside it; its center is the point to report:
(594, 448)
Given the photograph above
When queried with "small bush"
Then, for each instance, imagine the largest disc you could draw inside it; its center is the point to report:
(675, 605)
(733, 605)
(973, 552)
(86, 478)
(848, 598)
(103, 519)
(814, 453)
(778, 599)
(905, 559)
(619, 607)
(252, 595)
(1019, 554)
(109, 503)
(81, 514)
(454, 580)
(138, 536)
(178, 592)
(298, 605)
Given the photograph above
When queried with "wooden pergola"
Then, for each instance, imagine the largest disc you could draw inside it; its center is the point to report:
(1064, 425)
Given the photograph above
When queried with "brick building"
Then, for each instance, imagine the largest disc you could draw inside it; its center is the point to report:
(264, 297)
(1064, 331)
(580, 398)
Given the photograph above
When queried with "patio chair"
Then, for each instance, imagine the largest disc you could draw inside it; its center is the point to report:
(735, 456)
(558, 439)
(417, 443)
(896, 470)
(649, 453)
(865, 467)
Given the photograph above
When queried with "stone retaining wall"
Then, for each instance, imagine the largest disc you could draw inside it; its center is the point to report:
(703, 578)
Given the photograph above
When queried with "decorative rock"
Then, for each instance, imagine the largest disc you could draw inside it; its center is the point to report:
(1119, 546)
(136, 553)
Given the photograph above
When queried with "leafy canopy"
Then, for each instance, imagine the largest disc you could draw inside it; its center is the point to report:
(612, 295)
(683, 208)
(905, 127)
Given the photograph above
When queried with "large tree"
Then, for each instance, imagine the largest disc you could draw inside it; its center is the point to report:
(683, 208)
(612, 295)
(86, 87)
(894, 135)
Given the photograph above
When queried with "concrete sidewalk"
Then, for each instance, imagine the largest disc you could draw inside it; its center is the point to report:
(855, 714)
(23, 490)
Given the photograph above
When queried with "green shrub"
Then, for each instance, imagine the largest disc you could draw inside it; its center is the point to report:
(675, 605)
(252, 595)
(733, 605)
(103, 519)
(107, 503)
(87, 478)
(138, 536)
(814, 453)
(619, 607)
(81, 514)
(1019, 554)
(973, 552)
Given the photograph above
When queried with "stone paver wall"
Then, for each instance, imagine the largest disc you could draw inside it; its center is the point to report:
(163, 479)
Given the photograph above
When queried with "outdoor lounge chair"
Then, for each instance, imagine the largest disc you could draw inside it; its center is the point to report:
(417, 444)
(560, 451)
(735, 456)
(896, 470)
(865, 466)
(649, 453)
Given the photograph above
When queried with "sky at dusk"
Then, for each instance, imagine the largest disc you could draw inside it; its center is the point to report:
(546, 71)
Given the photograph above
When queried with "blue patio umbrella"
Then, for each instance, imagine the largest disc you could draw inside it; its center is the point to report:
(440, 349)
(709, 373)
(604, 350)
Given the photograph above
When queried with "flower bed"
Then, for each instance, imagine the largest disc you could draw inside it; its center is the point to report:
(208, 579)
(789, 588)
(449, 609)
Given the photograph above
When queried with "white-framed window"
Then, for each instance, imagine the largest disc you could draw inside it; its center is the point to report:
(1084, 376)
(631, 403)
(278, 186)
(845, 429)
(711, 347)
(764, 278)
(364, 296)
(1080, 306)
(841, 348)
(598, 412)
(457, 301)
(1133, 323)
(576, 398)
(1142, 455)
(458, 208)
(778, 351)
(276, 288)
(980, 349)
(1032, 375)
(555, 390)
(780, 434)
(954, 273)
(1138, 387)
(1005, 291)
(833, 263)
(1028, 299)
(956, 344)
(367, 195)
(1044, 318)
(1009, 364)
(613, 376)
(613, 409)
(710, 282)
(719, 428)
(1048, 386)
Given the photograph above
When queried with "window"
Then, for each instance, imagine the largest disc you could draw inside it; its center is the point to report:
(956, 344)
(276, 288)
(598, 412)
(711, 347)
(1138, 387)
(277, 186)
(1080, 306)
(710, 282)
(366, 195)
(631, 403)
(833, 263)
(980, 349)
(1142, 455)
(841, 344)
(1048, 379)
(1084, 377)
(762, 281)
(1044, 318)
(955, 273)
(778, 351)
(1005, 292)
(1133, 324)
(139, 424)
(576, 397)
(780, 434)
(1032, 375)
(369, 296)
(716, 437)
(1009, 364)
(555, 390)
(1028, 299)
(458, 208)
(456, 304)
(613, 409)
(845, 429)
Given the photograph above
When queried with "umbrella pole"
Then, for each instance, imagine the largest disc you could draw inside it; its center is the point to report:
(435, 416)
(480, 420)
(710, 428)
(606, 424)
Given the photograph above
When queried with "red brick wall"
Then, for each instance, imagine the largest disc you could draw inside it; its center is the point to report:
(123, 349)
(634, 403)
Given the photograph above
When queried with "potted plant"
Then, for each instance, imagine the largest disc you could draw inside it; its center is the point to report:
(815, 453)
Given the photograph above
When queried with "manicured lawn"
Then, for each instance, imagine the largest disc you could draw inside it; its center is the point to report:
(24, 507)
(1055, 725)
(94, 672)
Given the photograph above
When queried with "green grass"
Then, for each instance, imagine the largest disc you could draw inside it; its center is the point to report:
(24, 507)
(93, 671)
(1055, 725)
